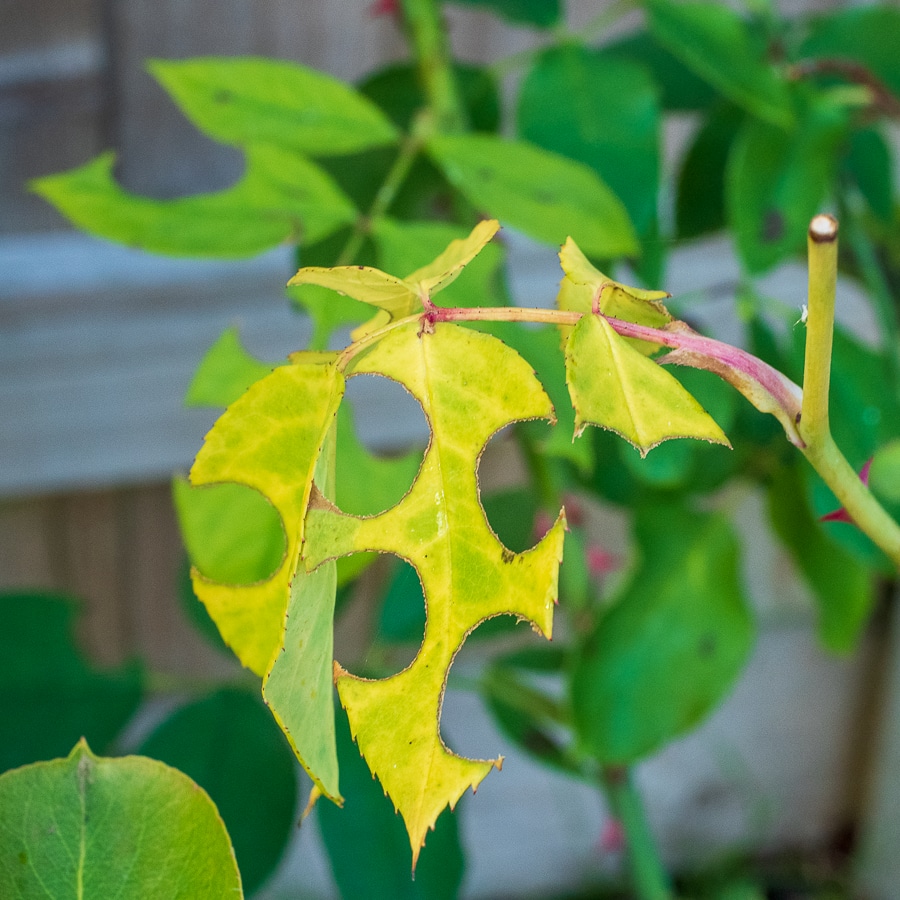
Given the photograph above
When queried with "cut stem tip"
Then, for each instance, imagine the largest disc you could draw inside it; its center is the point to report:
(823, 229)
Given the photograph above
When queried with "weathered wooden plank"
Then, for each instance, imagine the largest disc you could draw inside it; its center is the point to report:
(94, 573)
(30, 545)
(153, 556)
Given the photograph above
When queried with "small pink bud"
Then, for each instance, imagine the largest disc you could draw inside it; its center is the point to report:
(542, 524)
(384, 8)
(600, 561)
(612, 837)
(574, 510)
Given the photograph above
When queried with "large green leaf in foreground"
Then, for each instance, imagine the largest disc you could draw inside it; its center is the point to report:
(90, 828)
(470, 385)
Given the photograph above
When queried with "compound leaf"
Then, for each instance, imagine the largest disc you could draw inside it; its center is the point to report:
(470, 385)
(248, 100)
(614, 386)
(97, 828)
(281, 196)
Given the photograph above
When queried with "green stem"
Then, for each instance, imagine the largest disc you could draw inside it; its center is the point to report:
(821, 450)
(393, 181)
(427, 38)
(649, 878)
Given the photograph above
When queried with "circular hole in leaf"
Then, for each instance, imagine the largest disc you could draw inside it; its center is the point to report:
(233, 534)
(375, 465)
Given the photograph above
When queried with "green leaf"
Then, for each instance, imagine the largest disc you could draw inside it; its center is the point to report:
(700, 204)
(542, 13)
(232, 533)
(673, 642)
(867, 34)
(225, 372)
(398, 91)
(841, 585)
(776, 180)
(614, 386)
(680, 90)
(248, 100)
(228, 743)
(869, 162)
(367, 484)
(718, 45)
(280, 197)
(543, 194)
(470, 385)
(97, 828)
(884, 473)
(367, 844)
(49, 695)
(592, 107)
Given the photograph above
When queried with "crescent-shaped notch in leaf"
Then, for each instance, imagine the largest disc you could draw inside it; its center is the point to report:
(614, 386)
(400, 297)
(470, 385)
(584, 288)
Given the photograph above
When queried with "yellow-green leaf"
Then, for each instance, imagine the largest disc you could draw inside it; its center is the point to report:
(363, 283)
(583, 282)
(270, 440)
(614, 386)
(470, 385)
(459, 253)
(400, 297)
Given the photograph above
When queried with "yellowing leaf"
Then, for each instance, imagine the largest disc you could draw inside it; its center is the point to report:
(470, 385)
(614, 386)
(363, 283)
(459, 253)
(399, 297)
(269, 439)
(583, 282)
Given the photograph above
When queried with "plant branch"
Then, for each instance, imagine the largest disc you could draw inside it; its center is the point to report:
(821, 450)
(409, 149)
(427, 37)
(882, 98)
